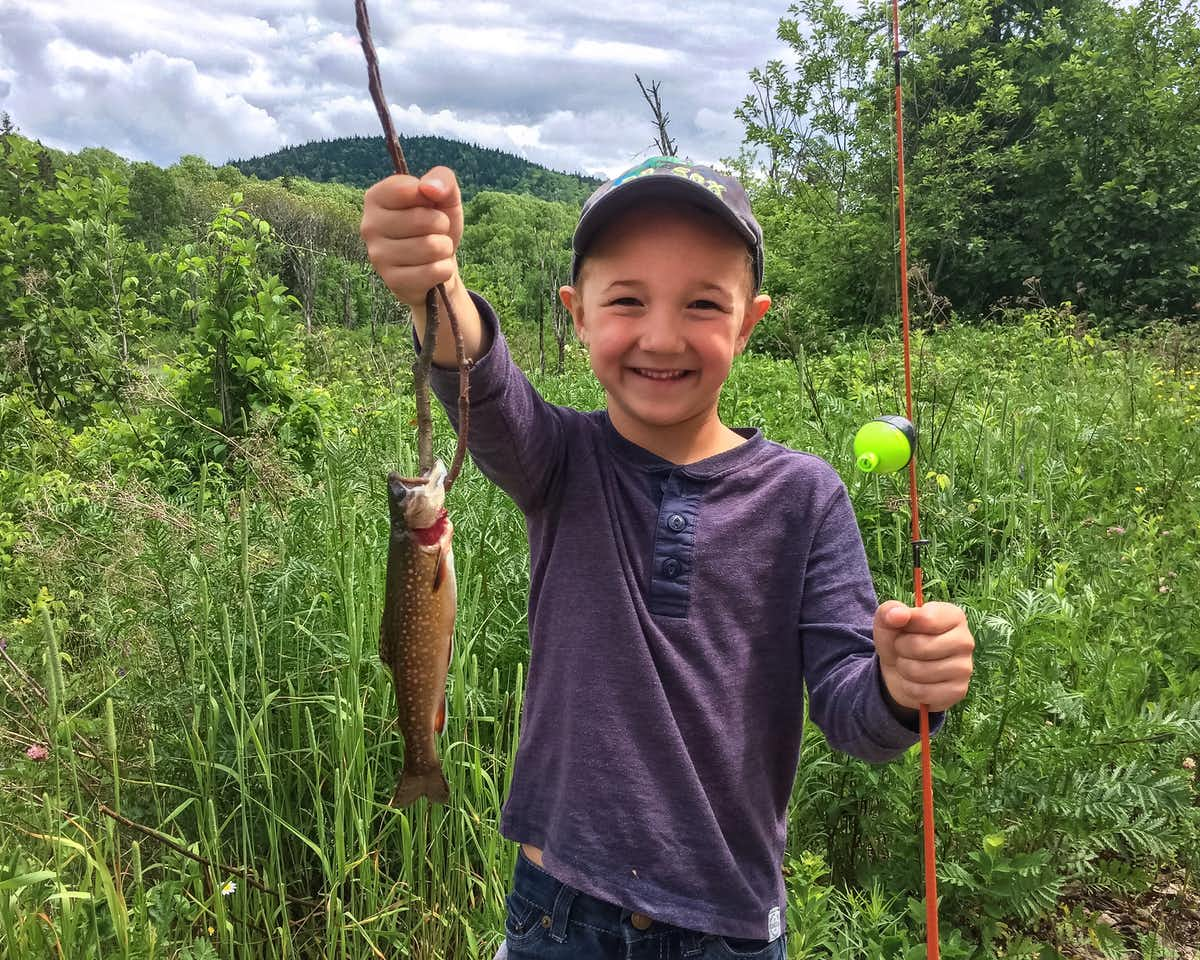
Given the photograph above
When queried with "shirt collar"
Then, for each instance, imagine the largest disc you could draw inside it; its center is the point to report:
(707, 469)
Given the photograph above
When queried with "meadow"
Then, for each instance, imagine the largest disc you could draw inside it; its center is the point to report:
(196, 736)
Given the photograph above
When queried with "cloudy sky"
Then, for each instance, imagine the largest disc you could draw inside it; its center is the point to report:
(231, 79)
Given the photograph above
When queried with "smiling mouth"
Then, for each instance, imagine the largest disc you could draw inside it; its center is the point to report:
(660, 374)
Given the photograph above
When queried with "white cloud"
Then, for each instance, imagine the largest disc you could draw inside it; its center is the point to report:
(615, 52)
(236, 78)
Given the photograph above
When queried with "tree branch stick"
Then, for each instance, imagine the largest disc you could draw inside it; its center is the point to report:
(421, 370)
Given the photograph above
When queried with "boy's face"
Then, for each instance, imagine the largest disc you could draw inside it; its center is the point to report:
(663, 306)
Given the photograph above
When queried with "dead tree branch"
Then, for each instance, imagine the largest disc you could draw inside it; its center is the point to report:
(666, 146)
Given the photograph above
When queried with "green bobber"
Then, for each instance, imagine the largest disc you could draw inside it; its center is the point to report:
(885, 445)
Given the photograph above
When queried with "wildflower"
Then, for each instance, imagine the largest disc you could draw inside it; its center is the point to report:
(37, 752)
(1189, 763)
(228, 887)
(1115, 530)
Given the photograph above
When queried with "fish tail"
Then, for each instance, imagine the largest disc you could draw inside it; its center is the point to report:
(430, 783)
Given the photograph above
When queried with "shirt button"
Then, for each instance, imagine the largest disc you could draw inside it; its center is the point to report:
(676, 522)
(670, 567)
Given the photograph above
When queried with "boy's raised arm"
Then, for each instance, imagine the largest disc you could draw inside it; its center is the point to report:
(412, 228)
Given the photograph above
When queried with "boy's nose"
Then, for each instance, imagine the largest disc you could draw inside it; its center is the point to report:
(661, 333)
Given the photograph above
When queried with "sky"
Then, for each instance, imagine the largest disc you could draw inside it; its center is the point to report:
(552, 82)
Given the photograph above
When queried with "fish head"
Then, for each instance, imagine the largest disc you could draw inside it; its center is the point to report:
(418, 503)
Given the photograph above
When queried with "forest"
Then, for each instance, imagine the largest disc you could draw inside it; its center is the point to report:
(204, 383)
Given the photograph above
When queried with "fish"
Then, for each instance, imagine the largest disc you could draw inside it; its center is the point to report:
(416, 632)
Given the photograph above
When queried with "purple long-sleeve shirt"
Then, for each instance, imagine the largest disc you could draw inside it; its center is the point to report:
(676, 614)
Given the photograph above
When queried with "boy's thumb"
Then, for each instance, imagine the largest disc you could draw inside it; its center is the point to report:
(885, 627)
(441, 186)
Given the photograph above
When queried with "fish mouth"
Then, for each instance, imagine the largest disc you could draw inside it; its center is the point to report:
(399, 486)
(417, 502)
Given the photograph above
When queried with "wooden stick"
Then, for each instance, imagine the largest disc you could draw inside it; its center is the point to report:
(425, 361)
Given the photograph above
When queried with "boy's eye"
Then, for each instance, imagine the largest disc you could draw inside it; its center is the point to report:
(635, 302)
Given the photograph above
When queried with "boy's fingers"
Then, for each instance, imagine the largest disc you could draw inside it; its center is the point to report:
(419, 278)
(414, 251)
(938, 696)
(924, 646)
(936, 616)
(939, 671)
(413, 222)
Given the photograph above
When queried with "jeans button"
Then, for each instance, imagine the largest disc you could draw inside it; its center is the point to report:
(676, 522)
(641, 921)
(670, 567)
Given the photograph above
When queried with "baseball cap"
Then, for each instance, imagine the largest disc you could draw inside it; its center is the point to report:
(672, 178)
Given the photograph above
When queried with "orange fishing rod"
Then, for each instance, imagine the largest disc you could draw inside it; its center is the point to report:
(931, 906)
(885, 445)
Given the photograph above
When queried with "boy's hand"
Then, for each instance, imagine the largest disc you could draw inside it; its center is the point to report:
(925, 653)
(412, 229)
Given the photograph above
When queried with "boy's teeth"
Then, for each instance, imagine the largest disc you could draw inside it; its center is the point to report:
(661, 374)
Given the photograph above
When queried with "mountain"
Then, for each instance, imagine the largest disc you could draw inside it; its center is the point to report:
(363, 161)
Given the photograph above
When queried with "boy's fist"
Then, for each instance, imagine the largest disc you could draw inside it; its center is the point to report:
(925, 653)
(412, 228)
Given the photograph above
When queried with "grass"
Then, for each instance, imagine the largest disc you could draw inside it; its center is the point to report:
(200, 658)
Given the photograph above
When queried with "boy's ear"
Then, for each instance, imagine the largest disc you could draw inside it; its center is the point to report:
(573, 302)
(755, 311)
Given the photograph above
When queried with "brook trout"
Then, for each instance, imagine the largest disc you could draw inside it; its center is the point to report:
(416, 631)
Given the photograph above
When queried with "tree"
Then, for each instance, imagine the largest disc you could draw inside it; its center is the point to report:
(1057, 142)
(70, 307)
(154, 201)
(243, 354)
(500, 233)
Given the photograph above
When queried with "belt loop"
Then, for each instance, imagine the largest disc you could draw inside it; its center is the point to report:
(562, 911)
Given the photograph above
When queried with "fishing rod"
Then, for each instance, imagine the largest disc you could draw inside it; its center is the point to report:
(886, 445)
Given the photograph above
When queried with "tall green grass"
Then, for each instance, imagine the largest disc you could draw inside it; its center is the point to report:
(203, 661)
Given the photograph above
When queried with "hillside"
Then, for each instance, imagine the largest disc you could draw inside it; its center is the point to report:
(362, 161)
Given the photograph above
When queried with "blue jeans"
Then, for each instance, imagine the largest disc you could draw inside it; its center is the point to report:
(549, 920)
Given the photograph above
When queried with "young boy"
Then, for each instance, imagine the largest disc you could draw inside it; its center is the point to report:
(688, 580)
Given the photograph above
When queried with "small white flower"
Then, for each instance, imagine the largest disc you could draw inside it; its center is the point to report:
(228, 887)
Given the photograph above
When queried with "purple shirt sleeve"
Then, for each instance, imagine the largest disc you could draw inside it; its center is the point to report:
(515, 437)
(841, 672)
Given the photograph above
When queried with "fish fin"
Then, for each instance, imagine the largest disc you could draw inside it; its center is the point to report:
(431, 784)
(439, 571)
